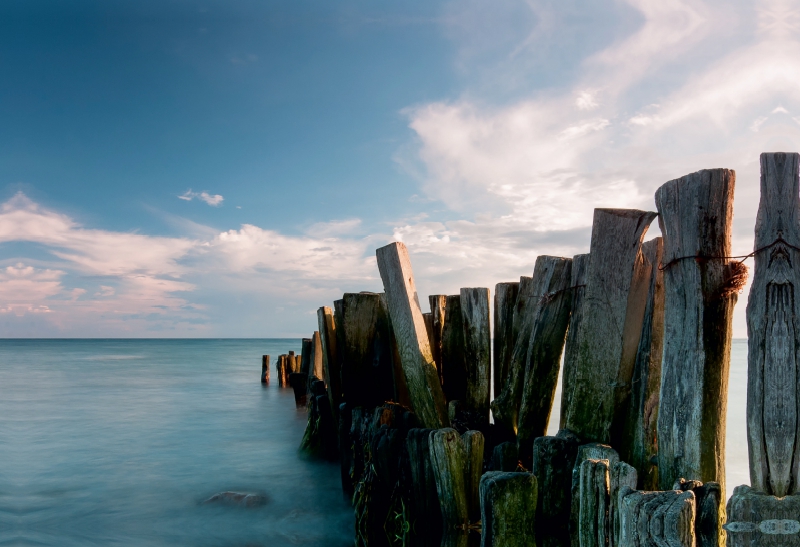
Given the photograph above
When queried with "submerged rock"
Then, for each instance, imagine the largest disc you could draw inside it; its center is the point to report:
(237, 499)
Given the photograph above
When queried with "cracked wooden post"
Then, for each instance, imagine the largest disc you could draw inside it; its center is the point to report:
(695, 214)
(412, 338)
(664, 518)
(707, 523)
(639, 445)
(591, 451)
(477, 351)
(508, 509)
(621, 475)
(454, 361)
(580, 265)
(553, 461)
(505, 298)
(330, 363)
(474, 445)
(594, 504)
(265, 369)
(543, 310)
(617, 284)
(449, 461)
(773, 328)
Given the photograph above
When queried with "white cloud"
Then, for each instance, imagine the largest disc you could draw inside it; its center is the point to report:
(213, 200)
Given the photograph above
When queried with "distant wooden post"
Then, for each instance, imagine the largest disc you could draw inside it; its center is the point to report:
(508, 509)
(316, 357)
(639, 444)
(330, 362)
(505, 298)
(265, 369)
(477, 351)
(580, 265)
(695, 214)
(449, 460)
(773, 327)
(662, 518)
(438, 303)
(294, 362)
(594, 504)
(412, 338)
(305, 356)
(282, 369)
(525, 402)
(454, 361)
(617, 284)
(553, 462)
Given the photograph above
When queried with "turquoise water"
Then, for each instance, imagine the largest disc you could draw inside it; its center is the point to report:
(117, 442)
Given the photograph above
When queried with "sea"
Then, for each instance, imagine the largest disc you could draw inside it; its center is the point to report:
(119, 442)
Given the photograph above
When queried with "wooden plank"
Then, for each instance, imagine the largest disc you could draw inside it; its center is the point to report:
(708, 522)
(639, 444)
(474, 445)
(477, 351)
(265, 369)
(542, 313)
(449, 461)
(593, 530)
(590, 451)
(454, 360)
(412, 339)
(438, 304)
(331, 373)
(621, 475)
(617, 284)
(756, 518)
(695, 214)
(553, 462)
(508, 509)
(773, 384)
(580, 265)
(505, 298)
(663, 519)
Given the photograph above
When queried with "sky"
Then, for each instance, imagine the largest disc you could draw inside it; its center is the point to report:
(181, 168)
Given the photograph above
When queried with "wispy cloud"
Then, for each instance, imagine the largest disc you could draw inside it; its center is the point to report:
(213, 200)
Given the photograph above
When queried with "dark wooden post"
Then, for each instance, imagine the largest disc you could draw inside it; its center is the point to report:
(773, 327)
(305, 356)
(412, 338)
(580, 265)
(477, 351)
(438, 303)
(662, 518)
(695, 214)
(508, 509)
(454, 361)
(707, 523)
(617, 284)
(330, 361)
(553, 462)
(505, 298)
(265, 369)
(425, 507)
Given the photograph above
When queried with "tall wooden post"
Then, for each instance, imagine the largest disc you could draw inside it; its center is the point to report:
(412, 338)
(505, 298)
(477, 351)
(773, 328)
(617, 284)
(695, 214)
(580, 265)
(330, 362)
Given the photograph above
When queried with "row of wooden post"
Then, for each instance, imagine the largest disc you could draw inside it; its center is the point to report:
(645, 332)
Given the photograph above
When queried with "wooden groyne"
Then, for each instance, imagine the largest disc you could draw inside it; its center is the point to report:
(432, 455)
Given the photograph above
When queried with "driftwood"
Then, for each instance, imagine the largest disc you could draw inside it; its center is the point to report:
(553, 461)
(707, 522)
(591, 451)
(621, 475)
(593, 529)
(639, 444)
(505, 457)
(425, 509)
(412, 338)
(617, 284)
(265, 369)
(508, 509)
(543, 309)
(695, 214)
(773, 387)
(756, 518)
(580, 265)
(454, 360)
(477, 352)
(438, 303)
(449, 461)
(663, 519)
(474, 445)
(330, 361)
(505, 298)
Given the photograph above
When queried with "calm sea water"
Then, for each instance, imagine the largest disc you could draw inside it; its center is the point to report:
(117, 442)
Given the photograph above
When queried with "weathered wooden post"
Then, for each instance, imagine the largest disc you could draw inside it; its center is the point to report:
(438, 303)
(773, 328)
(665, 518)
(505, 298)
(425, 507)
(639, 443)
(330, 361)
(474, 444)
(621, 475)
(695, 214)
(283, 371)
(316, 357)
(449, 461)
(594, 504)
(454, 361)
(508, 509)
(756, 518)
(708, 498)
(477, 351)
(265, 369)
(617, 284)
(412, 338)
(591, 451)
(293, 362)
(305, 356)
(580, 265)
(553, 462)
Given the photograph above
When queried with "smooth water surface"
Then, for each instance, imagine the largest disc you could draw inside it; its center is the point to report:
(117, 442)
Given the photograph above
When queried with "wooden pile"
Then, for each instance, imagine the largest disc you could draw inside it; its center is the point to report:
(403, 396)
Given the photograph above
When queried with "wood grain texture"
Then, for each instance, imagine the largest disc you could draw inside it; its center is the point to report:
(591, 451)
(756, 518)
(449, 462)
(662, 519)
(420, 372)
(477, 350)
(438, 303)
(639, 443)
(553, 462)
(695, 214)
(505, 298)
(508, 509)
(593, 529)
(621, 475)
(330, 361)
(541, 317)
(454, 360)
(617, 284)
(707, 523)
(474, 445)
(773, 308)
(580, 265)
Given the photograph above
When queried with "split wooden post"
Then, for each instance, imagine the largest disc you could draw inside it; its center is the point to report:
(664, 518)
(449, 461)
(265, 369)
(438, 303)
(639, 444)
(695, 214)
(594, 504)
(508, 509)
(591, 451)
(412, 338)
(756, 518)
(580, 265)
(707, 522)
(477, 351)
(553, 462)
(330, 362)
(621, 475)
(454, 360)
(474, 444)
(773, 327)
(617, 284)
(505, 298)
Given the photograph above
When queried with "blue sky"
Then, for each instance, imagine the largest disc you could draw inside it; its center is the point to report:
(182, 168)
